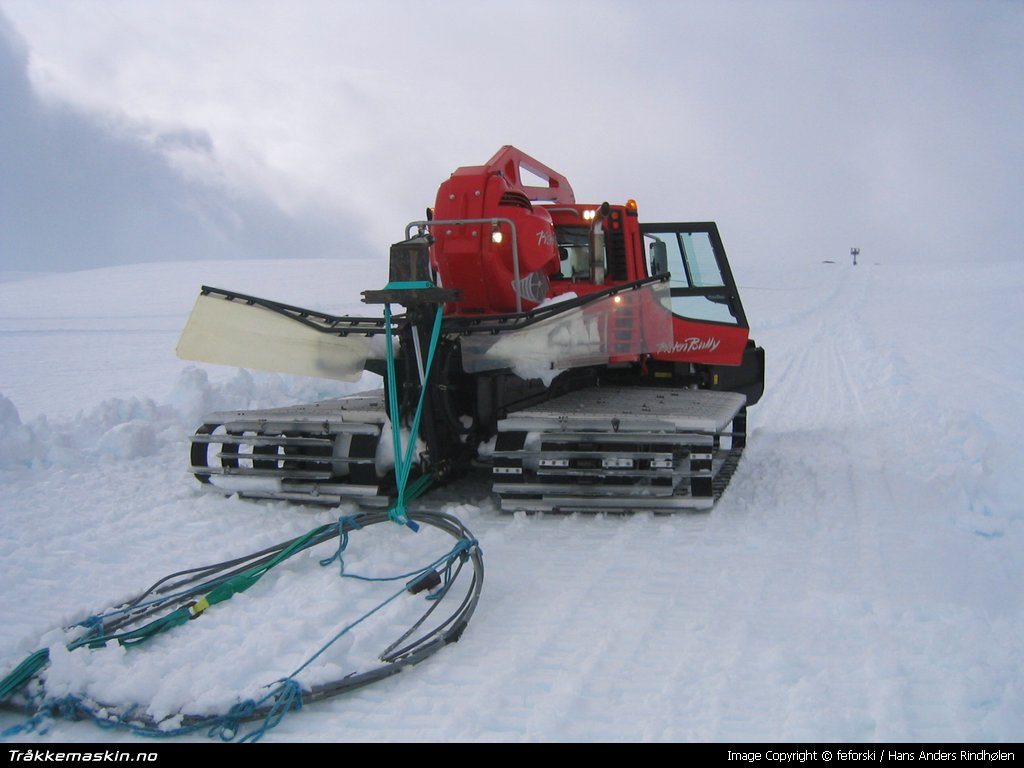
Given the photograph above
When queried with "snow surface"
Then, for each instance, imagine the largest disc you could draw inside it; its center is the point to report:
(861, 579)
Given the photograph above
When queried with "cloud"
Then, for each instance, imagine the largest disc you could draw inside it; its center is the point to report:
(78, 192)
(803, 128)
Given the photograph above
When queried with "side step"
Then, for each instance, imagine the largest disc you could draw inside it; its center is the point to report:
(620, 449)
(321, 453)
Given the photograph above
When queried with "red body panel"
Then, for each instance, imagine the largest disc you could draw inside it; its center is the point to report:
(705, 343)
(465, 256)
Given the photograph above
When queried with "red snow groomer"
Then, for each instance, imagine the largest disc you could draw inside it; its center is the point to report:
(592, 361)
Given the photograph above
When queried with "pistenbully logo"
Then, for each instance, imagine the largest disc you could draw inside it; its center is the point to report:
(692, 344)
(546, 237)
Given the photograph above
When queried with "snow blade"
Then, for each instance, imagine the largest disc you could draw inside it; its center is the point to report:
(248, 335)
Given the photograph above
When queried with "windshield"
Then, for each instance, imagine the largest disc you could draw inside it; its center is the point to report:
(699, 284)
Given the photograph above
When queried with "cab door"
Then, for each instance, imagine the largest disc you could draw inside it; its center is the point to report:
(708, 323)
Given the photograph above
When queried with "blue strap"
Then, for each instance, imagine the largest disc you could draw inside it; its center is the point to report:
(404, 459)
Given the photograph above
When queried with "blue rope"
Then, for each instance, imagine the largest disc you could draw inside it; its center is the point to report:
(460, 549)
(345, 524)
(93, 626)
(284, 698)
(397, 512)
(404, 459)
(408, 458)
(345, 630)
(29, 726)
(287, 696)
(226, 727)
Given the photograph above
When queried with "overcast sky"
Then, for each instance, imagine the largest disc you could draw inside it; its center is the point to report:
(176, 130)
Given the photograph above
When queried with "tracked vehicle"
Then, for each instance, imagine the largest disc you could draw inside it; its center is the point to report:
(592, 361)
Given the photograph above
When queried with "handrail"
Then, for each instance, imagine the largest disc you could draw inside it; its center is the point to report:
(493, 220)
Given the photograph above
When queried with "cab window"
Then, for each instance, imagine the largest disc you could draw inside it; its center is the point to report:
(700, 289)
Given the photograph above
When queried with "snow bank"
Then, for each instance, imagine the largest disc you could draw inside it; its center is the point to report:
(134, 428)
(19, 446)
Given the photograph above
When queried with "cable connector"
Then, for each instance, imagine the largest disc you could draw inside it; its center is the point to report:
(428, 581)
(197, 607)
(456, 633)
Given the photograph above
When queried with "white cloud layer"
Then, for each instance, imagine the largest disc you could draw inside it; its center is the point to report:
(803, 128)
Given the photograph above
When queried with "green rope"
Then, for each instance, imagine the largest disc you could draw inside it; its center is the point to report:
(278, 702)
(28, 668)
(24, 672)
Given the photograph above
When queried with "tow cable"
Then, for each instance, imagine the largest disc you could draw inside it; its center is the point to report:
(180, 597)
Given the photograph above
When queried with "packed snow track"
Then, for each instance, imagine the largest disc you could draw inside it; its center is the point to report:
(860, 579)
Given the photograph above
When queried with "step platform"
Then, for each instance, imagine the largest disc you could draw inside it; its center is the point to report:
(620, 449)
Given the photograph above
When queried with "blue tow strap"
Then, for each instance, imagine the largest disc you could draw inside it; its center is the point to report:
(404, 458)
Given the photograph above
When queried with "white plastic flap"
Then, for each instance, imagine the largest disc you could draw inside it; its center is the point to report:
(250, 336)
(628, 323)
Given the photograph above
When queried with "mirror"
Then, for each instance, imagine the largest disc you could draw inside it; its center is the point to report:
(659, 258)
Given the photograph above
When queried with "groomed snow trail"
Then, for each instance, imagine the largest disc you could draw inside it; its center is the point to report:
(860, 580)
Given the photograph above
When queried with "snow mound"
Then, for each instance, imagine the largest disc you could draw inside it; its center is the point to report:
(122, 429)
(19, 445)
